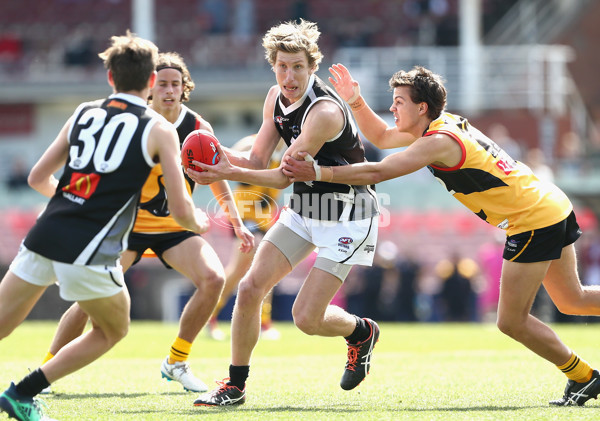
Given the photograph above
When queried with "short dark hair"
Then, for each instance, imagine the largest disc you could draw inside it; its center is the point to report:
(131, 60)
(425, 86)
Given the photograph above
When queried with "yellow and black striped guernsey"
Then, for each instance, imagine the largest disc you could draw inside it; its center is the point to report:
(153, 215)
(500, 190)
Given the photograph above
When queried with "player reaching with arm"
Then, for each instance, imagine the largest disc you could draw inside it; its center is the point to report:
(156, 231)
(339, 219)
(538, 217)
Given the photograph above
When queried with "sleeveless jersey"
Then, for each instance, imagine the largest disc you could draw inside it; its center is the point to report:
(498, 189)
(90, 216)
(320, 200)
(153, 214)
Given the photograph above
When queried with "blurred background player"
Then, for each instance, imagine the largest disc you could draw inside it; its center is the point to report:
(157, 234)
(78, 238)
(257, 206)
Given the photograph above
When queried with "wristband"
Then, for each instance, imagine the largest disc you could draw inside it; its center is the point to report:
(316, 166)
(323, 173)
(354, 97)
(358, 105)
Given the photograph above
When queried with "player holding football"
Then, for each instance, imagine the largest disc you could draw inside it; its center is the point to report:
(340, 219)
(538, 217)
(176, 247)
(78, 238)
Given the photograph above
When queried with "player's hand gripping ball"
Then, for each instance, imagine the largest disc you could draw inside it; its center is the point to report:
(201, 146)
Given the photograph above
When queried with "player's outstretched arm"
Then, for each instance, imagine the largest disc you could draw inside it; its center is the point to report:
(225, 170)
(375, 129)
(439, 149)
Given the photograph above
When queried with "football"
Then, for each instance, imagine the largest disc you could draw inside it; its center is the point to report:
(201, 146)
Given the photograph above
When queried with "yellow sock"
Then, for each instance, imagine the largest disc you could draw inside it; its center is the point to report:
(576, 369)
(48, 357)
(180, 350)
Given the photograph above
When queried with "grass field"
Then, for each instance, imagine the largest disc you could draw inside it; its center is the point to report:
(420, 372)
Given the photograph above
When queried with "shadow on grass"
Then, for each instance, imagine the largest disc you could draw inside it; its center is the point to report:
(343, 409)
(474, 408)
(204, 410)
(70, 396)
(337, 409)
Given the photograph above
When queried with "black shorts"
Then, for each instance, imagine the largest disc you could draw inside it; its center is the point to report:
(158, 243)
(542, 244)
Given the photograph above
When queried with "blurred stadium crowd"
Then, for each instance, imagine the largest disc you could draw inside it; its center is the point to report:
(36, 37)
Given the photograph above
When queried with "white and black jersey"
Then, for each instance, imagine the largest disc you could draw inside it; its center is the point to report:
(89, 218)
(320, 200)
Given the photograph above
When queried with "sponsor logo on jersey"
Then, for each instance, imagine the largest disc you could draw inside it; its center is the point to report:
(82, 185)
(504, 166)
(295, 131)
(117, 104)
(345, 240)
(279, 120)
(73, 198)
(503, 225)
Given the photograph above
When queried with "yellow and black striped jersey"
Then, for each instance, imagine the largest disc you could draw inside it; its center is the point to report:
(153, 214)
(498, 189)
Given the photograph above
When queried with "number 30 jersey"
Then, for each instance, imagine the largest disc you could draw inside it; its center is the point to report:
(500, 190)
(90, 216)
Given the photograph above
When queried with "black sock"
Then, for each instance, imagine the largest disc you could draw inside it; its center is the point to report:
(360, 333)
(238, 375)
(32, 384)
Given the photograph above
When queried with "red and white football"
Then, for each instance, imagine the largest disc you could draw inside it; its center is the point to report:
(201, 146)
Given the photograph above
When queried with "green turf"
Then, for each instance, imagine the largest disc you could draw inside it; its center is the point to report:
(420, 372)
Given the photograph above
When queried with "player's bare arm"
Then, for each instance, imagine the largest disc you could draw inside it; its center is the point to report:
(323, 122)
(375, 129)
(41, 177)
(440, 150)
(248, 167)
(224, 170)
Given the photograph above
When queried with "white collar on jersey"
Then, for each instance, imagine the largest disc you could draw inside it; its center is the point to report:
(182, 114)
(295, 105)
(130, 98)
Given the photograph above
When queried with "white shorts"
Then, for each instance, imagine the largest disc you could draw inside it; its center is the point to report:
(76, 282)
(348, 242)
